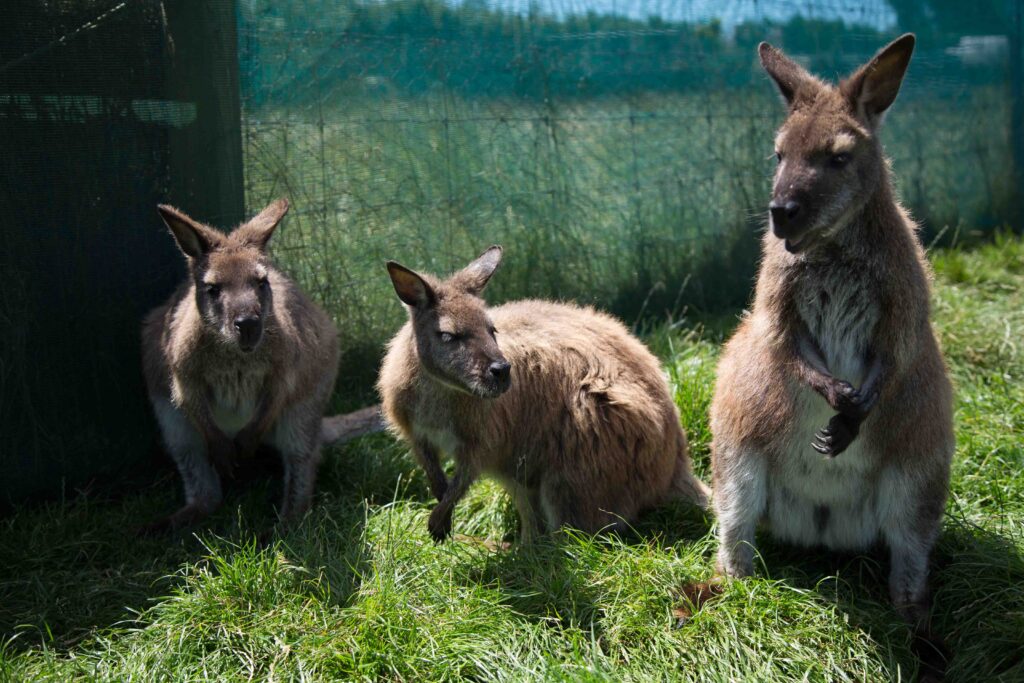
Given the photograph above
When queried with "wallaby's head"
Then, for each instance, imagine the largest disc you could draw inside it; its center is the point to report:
(231, 272)
(830, 160)
(455, 338)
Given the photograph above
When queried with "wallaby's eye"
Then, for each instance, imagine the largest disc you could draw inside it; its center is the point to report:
(447, 337)
(213, 291)
(778, 156)
(839, 160)
(494, 331)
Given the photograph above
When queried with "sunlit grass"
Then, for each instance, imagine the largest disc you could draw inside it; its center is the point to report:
(359, 591)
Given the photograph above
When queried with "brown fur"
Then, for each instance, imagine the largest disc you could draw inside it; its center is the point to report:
(838, 341)
(216, 398)
(585, 434)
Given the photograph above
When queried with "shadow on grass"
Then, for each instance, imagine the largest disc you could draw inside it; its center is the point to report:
(977, 591)
(70, 569)
(560, 580)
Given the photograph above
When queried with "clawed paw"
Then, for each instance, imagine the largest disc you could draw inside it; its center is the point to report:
(836, 436)
(439, 525)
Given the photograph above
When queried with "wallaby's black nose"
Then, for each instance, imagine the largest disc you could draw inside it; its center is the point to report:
(500, 370)
(249, 329)
(783, 213)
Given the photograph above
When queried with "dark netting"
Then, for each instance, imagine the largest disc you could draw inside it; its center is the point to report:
(620, 151)
(106, 109)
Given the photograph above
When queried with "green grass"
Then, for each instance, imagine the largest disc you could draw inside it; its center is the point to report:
(360, 592)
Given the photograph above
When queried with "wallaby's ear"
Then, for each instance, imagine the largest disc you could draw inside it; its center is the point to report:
(474, 277)
(792, 79)
(873, 87)
(410, 286)
(259, 229)
(193, 238)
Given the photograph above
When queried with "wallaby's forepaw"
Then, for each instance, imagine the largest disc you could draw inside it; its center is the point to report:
(440, 524)
(836, 436)
(246, 444)
(847, 400)
(223, 455)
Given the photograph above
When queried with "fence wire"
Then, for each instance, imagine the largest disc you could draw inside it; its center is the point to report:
(617, 150)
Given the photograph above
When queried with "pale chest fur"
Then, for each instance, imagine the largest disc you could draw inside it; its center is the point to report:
(234, 391)
(434, 421)
(838, 302)
(813, 499)
(230, 384)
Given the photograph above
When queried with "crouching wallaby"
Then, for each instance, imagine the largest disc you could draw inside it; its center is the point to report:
(237, 357)
(832, 416)
(558, 403)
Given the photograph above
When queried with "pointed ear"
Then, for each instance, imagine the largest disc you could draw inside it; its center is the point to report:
(792, 79)
(193, 238)
(260, 228)
(873, 87)
(474, 277)
(410, 286)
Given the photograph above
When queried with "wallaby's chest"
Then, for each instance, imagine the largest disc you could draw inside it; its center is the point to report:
(838, 302)
(234, 391)
(435, 422)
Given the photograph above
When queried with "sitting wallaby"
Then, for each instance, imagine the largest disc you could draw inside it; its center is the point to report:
(832, 414)
(559, 403)
(237, 357)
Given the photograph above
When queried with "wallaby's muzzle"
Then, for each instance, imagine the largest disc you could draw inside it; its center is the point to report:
(250, 331)
(499, 377)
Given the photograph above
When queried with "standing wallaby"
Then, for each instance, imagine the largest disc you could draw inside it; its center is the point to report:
(237, 357)
(569, 411)
(832, 415)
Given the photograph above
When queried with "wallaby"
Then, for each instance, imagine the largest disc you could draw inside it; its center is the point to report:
(560, 404)
(237, 357)
(832, 414)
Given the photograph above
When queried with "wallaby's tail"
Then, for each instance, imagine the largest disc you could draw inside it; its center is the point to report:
(342, 428)
(686, 484)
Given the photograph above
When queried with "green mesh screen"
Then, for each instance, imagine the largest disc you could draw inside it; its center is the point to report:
(620, 151)
(106, 109)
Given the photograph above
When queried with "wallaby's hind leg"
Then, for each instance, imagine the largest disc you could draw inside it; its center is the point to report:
(531, 520)
(910, 530)
(185, 445)
(565, 504)
(740, 498)
(297, 438)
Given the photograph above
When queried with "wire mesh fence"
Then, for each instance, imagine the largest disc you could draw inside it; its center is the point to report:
(619, 151)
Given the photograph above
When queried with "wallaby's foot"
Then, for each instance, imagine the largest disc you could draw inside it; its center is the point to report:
(836, 437)
(185, 517)
(693, 596)
(932, 655)
(440, 523)
(488, 543)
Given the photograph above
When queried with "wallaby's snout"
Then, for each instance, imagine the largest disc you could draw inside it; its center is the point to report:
(786, 216)
(499, 376)
(250, 331)
(501, 371)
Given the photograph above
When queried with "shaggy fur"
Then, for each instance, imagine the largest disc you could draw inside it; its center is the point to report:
(842, 302)
(237, 357)
(586, 434)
